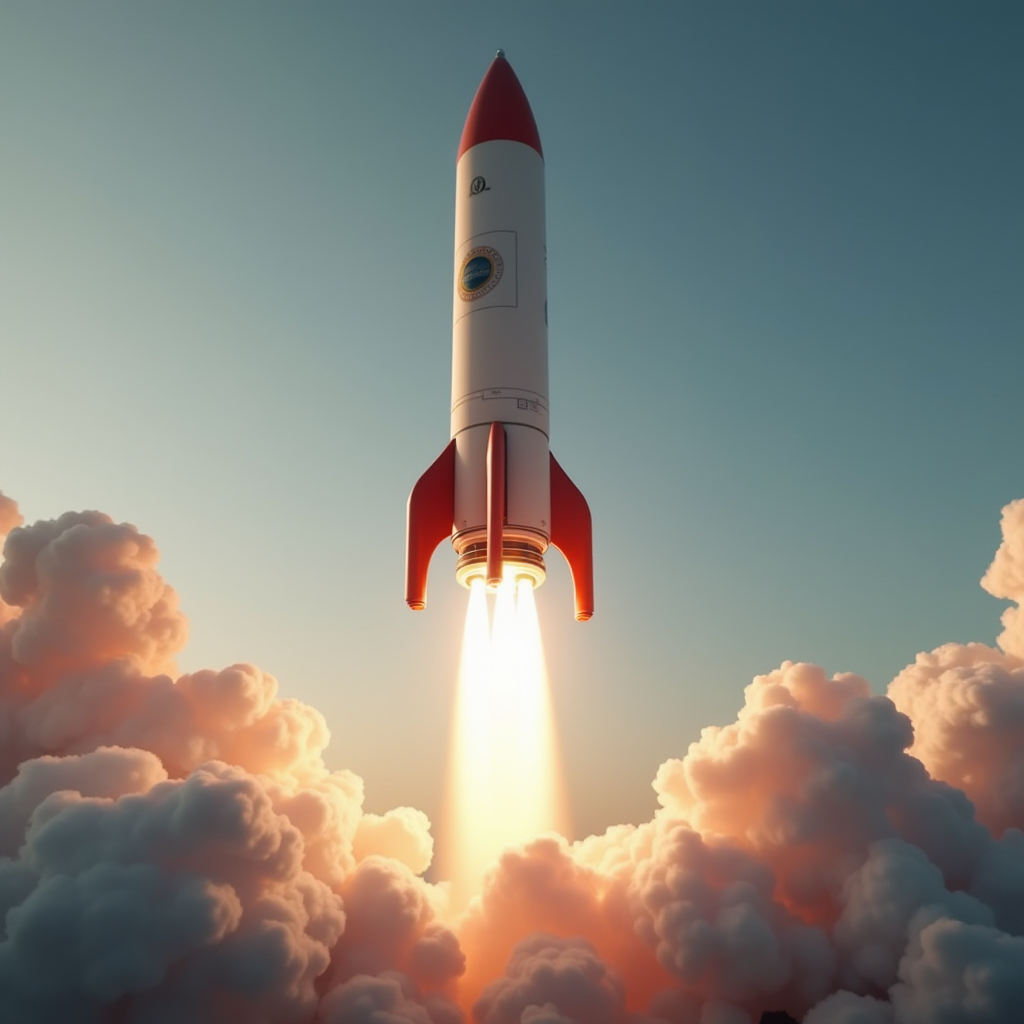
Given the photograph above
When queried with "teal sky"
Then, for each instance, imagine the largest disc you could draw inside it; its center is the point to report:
(786, 250)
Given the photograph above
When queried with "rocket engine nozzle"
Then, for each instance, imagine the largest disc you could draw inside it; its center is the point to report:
(520, 558)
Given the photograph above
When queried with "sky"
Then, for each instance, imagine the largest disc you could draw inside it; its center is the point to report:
(785, 250)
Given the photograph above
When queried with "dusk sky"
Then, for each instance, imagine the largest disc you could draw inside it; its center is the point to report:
(778, 778)
(786, 248)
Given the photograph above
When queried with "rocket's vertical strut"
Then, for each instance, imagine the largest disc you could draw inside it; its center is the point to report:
(496, 477)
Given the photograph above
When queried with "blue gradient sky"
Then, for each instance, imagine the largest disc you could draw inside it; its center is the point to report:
(786, 249)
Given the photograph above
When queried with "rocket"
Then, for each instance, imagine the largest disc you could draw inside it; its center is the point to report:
(496, 491)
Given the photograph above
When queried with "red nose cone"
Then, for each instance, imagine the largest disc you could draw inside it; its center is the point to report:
(500, 110)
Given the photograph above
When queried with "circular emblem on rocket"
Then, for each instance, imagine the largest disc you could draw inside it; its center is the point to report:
(480, 272)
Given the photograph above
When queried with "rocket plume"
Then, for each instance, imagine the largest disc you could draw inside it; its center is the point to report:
(172, 847)
(505, 778)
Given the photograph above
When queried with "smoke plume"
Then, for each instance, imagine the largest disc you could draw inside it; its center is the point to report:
(173, 847)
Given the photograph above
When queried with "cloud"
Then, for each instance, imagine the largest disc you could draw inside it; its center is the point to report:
(10, 517)
(90, 594)
(192, 889)
(108, 772)
(1005, 577)
(847, 1008)
(881, 899)
(811, 773)
(709, 911)
(172, 846)
(402, 834)
(385, 999)
(967, 700)
(967, 703)
(553, 980)
(393, 925)
(959, 972)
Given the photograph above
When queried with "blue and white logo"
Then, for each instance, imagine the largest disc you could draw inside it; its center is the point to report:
(476, 273)
(480, 272)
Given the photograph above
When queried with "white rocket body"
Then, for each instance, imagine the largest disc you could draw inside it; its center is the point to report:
(496, 490)
(500, 338)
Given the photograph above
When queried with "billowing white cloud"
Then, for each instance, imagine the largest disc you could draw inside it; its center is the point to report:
(173, 847)
(1005, 577)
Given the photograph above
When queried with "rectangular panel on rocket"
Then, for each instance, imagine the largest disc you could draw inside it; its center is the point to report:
(485, 272)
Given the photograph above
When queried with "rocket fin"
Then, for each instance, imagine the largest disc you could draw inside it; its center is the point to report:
(572, 534)
(496, 480)
(429, 520)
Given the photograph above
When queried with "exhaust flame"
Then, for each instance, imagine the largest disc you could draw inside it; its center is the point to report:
(505, 782)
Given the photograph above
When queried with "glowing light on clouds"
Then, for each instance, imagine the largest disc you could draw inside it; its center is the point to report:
(505, 777)
(811, 856)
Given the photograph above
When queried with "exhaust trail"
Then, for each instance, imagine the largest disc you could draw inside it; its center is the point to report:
(505, 774)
